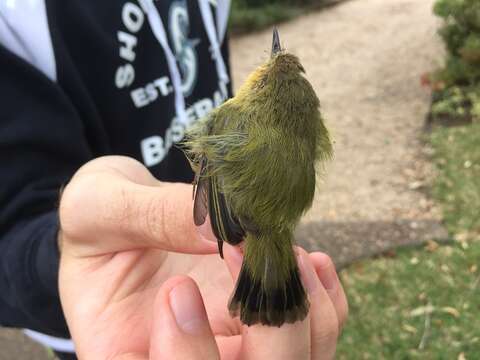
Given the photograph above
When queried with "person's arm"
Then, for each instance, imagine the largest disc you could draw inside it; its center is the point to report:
(42, 144)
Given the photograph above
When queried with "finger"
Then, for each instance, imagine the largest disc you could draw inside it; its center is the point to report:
(180, 325)
(229, 346)
(290, 341)
(205, 230)
(132, 356)
(109, 204)
(324, 323)
(124, 166)
(233, 258)
(325, 269)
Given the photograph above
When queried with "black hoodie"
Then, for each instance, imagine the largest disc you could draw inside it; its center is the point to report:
(80, 79)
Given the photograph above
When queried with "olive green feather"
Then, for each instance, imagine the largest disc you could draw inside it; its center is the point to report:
(256, 158)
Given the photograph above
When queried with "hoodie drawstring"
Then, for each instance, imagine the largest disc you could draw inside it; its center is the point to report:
(161, 35)
(207, 18)
(158, 29)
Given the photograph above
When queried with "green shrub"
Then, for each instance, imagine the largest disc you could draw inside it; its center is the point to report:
(245, 18)
(457, 85)
(261, 3)
(249, 15)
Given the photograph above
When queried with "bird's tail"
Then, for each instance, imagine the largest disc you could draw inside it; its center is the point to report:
(269, 290)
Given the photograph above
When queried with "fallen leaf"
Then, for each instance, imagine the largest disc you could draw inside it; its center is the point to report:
(415, 185)
(431, 246)
(409, 328)
(422, 310)
(461, 237)
(450, 310)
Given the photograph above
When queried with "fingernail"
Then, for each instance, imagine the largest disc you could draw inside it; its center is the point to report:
(188, 309)
(308, 273)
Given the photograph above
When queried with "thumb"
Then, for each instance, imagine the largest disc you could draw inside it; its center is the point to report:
(180, 327)
(116, 200)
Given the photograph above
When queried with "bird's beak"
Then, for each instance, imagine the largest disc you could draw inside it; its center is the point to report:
(276, 48)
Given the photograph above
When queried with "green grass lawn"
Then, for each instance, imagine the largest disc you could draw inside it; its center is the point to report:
(457, 155)
(424, 303)
(421, 304)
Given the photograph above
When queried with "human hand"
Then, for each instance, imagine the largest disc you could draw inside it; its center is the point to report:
(119, 230)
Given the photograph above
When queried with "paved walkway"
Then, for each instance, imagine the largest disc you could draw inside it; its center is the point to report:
(365, 59)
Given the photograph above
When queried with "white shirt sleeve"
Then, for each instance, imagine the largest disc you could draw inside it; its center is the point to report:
(24, 31)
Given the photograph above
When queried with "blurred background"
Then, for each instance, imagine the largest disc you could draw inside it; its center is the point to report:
(399, 207)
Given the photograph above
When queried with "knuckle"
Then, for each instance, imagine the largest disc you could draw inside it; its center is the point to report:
(329, 330)
(120, 211)
(72, 206)
(333, 327)
(83, 206)
(326, 261)
(329, 262)
(154, 220)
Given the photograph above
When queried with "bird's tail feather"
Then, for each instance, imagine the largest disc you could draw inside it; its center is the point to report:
(269, 290)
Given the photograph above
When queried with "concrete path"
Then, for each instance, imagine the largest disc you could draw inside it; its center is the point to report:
(365, 59)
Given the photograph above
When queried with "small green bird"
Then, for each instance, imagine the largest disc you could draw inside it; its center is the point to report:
(255, 159)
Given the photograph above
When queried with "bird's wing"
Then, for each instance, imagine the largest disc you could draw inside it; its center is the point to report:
(208, 193)
(208, 198)
(200, 183)
(200, 194)
(225, 224)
